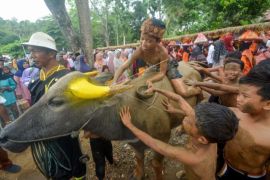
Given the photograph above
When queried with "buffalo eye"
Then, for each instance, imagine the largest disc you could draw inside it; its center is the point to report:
(56, 102)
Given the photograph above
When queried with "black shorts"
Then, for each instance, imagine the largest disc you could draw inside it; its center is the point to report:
(230, 173)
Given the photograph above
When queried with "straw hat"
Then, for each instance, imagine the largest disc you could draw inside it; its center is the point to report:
(249, 36)
(201, 38)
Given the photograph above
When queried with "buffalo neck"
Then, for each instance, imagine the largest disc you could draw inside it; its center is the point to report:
(105, 121)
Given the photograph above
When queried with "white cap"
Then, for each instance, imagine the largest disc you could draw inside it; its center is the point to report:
(41, 39)
(268, 44)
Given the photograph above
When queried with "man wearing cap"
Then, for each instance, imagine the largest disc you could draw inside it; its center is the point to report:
(57, 158)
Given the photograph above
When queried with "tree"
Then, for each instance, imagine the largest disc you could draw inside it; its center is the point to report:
(59, 12)
(85, 28)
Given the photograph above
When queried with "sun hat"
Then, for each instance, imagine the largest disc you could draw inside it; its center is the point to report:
(250, 36)
(41, 39)
(201, 38)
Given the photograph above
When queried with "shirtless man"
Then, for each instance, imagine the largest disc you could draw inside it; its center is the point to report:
(209, 124)
(153, 53)
(226, 90)
(246, 156)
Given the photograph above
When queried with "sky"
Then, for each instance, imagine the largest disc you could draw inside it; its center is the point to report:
(23, 9)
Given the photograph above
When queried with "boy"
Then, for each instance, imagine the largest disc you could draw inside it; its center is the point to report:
(226, 91)
(247, 155)
(209, 124)
(153, 53)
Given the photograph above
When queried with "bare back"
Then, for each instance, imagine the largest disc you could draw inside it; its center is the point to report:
(205, 170)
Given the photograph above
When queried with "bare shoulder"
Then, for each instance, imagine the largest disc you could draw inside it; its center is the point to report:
(163, 52)
(239, 114)
(235, 110)
(137, 53)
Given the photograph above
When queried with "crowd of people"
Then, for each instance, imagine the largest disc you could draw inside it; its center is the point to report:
(228, 134)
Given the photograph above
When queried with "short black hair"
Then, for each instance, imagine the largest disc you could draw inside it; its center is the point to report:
(237, 61)
(259, 76)
(234, 55)
(215, 122)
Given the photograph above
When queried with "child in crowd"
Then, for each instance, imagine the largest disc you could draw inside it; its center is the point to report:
(154, 54)
(226, 91)
(7, 90)
(208, 124)
(247, 155)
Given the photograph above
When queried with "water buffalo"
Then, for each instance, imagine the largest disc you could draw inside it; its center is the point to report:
(74, 103)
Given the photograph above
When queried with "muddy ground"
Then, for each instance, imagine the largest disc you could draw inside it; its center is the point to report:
(121, 170)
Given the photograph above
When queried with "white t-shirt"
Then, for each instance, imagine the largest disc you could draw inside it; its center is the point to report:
(70, 62)
(210, 55)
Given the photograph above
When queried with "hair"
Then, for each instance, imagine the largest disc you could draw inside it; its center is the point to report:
(215, 122)
(104, 67)
(234, 55)
(154, 28)
(259, 76)
(237, 61)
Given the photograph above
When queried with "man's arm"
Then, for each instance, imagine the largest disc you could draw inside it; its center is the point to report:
(184, 106)
(207, 72)
(126, 64)
(213, 92)
(217, 86)
(167, 150)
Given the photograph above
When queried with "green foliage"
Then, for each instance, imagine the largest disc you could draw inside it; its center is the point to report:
(13, 49)
(189, 16)
(48, 25)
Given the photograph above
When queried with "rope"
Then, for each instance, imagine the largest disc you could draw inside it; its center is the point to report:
(152, 66)
(46, 157)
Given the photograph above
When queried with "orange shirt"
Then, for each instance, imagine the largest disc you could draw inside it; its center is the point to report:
(248, 60)
(185, 57)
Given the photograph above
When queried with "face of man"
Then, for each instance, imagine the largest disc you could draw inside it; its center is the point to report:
(40, 55)
(248, 100)
(232, 71)
(148, 43)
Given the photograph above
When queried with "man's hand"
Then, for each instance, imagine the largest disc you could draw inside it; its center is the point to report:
(150, 89)
(149, 84)
(190, 82)
(197, 67)
(125, 116)
(169, 107)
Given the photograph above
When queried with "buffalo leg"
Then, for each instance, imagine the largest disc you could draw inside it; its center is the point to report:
(138, 173)
(157, 165)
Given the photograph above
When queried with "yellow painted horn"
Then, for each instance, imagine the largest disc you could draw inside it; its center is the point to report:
(84, 89)
(92, 73)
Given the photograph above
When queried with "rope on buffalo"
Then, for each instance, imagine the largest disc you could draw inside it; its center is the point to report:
(150, 67)
(45, 155)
